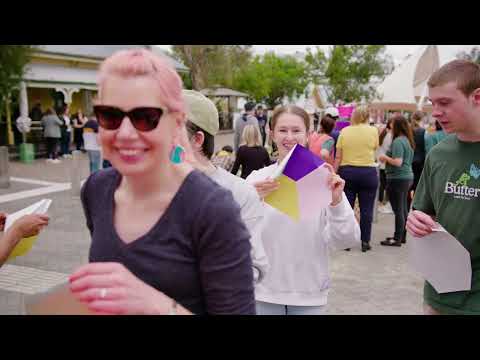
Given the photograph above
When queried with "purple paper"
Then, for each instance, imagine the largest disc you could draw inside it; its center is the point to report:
(340, 125)
(301, 163)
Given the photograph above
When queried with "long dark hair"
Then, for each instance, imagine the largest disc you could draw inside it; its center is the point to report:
(401, 127)
(384, 132)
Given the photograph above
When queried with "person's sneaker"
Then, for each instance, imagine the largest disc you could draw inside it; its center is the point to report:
(56, 161)
(49, 160)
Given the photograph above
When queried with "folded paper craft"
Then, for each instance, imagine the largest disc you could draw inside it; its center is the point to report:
(303, 190)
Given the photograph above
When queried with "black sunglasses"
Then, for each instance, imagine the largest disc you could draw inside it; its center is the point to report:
(143, 119)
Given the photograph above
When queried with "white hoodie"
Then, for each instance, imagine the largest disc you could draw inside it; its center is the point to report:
(252, 215)
(298, 251)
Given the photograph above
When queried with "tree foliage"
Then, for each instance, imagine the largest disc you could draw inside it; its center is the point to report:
(212, 65)
(13, 59)
(472, 55)
(348, 72)
(271, 78)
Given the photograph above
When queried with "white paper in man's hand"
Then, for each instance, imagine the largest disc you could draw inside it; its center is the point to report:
(442, 261)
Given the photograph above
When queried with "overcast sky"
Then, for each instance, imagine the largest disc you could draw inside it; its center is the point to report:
(399, 52)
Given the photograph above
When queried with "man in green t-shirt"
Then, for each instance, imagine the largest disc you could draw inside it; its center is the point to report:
(449, 189)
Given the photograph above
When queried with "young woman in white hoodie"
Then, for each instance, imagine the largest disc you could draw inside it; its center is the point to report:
(298, 279)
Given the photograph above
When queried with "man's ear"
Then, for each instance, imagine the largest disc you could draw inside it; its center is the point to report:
(476, 97)
(198, 140)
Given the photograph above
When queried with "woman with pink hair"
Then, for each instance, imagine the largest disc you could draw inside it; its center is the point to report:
(165, 238)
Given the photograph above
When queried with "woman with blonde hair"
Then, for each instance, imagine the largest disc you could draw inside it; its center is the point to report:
(355, 161)
(251, 154)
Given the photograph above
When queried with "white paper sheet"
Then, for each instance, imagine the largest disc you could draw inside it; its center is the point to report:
(281, 167)
(442, 261)
(40, 207)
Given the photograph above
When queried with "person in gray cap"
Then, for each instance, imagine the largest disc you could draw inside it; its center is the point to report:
(202, 126)
(247, 118)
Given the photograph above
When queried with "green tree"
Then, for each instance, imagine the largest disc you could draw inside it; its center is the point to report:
(472, 55)
(348, 71)
(212, 65)
(13, 59)
(271, 78)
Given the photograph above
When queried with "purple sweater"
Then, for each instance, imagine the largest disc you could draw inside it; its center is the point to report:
(198, 253)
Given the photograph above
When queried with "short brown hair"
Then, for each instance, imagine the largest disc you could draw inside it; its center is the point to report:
(290, 109)
(327, 124)
(465, 73)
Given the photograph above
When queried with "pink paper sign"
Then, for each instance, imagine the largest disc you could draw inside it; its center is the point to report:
(345, 111)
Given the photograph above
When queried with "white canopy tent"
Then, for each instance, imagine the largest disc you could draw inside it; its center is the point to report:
(406, 88)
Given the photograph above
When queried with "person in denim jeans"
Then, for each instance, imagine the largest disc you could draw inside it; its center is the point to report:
(355, 161)
(90, 133)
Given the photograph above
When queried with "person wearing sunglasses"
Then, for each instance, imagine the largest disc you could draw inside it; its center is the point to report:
(166, 239)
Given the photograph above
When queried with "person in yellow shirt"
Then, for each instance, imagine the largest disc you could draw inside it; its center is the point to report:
(355, 162)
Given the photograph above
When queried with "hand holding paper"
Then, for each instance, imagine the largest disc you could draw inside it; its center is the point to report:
(337, 185)
(25, 225)
(304, 185)
(266, 187)
(419, 224)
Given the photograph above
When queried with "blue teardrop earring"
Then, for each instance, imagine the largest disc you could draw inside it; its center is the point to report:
(177, 155)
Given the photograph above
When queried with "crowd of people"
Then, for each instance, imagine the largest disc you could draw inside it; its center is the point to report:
(61, 131)
(179, 229)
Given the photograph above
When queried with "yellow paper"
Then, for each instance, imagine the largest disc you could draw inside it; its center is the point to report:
(285, 199)
(23, 247)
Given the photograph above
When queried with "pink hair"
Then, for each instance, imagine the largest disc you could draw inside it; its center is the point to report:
(142, 62)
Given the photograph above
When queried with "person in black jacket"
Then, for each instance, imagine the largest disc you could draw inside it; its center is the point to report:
(251, 155)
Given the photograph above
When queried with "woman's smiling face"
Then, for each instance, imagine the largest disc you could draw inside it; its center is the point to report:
(129, 150)
(289, 131)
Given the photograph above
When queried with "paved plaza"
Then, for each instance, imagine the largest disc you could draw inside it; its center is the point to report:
(379, 282)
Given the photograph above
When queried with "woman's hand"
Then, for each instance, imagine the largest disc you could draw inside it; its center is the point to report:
(109, 288)
(337, 185)
(382, 158)
(28, 225)
(266, 187)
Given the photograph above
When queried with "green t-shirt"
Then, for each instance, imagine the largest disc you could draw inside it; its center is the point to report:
(450, 190)
(433, 139)
(328, 145)
(400, 148)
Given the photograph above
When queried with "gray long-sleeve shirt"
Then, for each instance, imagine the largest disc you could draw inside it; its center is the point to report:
(51, 126)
